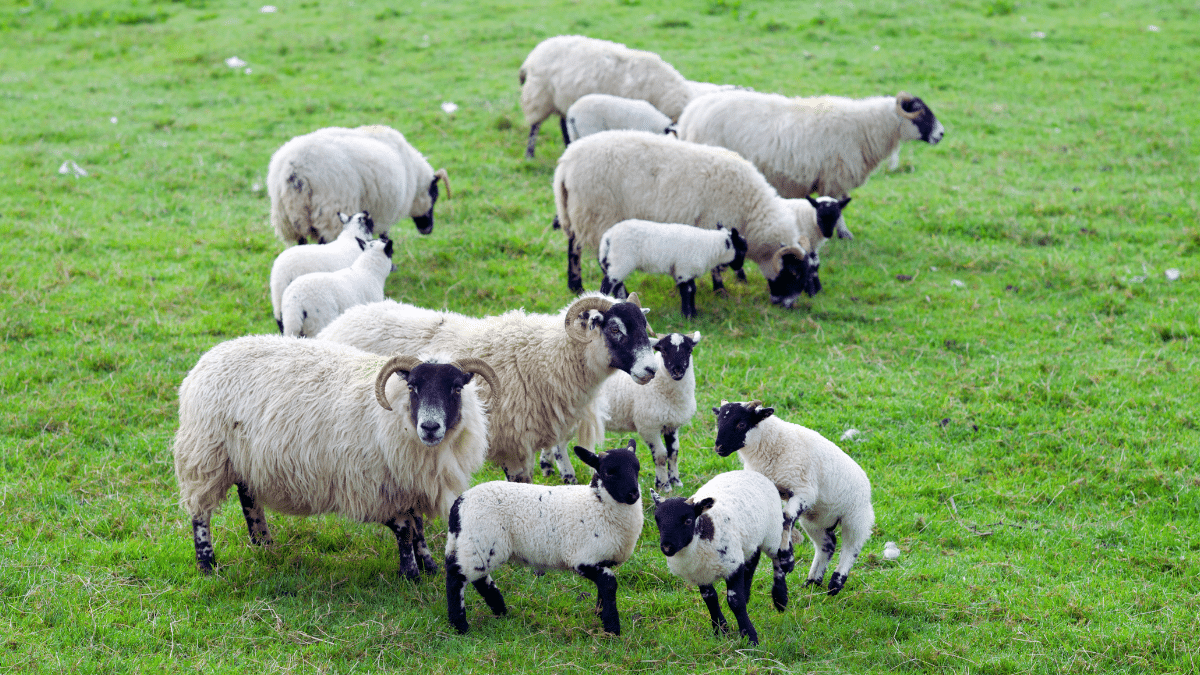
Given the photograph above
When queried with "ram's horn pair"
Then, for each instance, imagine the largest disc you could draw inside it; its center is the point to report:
(902, 98)
(467, 364)
(578, 332)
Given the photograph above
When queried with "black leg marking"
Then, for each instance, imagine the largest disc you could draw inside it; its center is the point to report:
(403, 530)
(718, 285)
(280, 323)
(562, 124)
(425, 561)
(256, 521)
(751, 568)
(606, 594)
(202, 538)
(687, 298)
(606, 285)
(545, 464)
(741, 275)
(491, 595)
(709, 594)
(836, 583)
(529, 144)
(301, 241)
(736, 587)
(779, 589)
(455, 596)
(574, 273)
(671, 440)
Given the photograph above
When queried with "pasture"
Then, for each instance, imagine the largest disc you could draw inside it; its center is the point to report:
(1027, 398)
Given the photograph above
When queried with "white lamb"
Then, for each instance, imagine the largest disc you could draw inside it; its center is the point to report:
(601, 112)
(719, 533)
(307, 427)
(682, 251)
(372, 168)
(337, 254)
(314, 300)
(823, 486)
(586, 529)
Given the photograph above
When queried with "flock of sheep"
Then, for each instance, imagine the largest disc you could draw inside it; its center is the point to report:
(371, 408)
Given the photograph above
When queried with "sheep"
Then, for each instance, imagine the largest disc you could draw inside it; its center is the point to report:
(562, 69)
(682, 251)
(291, 422)
(817, 225)
(600, 112)
(616, 175)
(337, 254)
(313, 177)
(827, 144)
(495, 522)
(555, 362)
(823, 486)
(719, 533)
(314, 300)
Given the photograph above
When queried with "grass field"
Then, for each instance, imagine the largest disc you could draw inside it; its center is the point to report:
(1030, 433)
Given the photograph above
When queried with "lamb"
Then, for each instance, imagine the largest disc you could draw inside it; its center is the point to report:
(600, 112)
(495, 522)
(373, 168)
(314, 300)
(823, 486)
(337, 254)
(555, 363)
(719, 533)
(616, 175)
(562, 69)
(827, 144)
(293, 424)
(682, 251)
(817, 225)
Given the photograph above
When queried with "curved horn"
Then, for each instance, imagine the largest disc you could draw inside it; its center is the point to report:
(633, 297)
(394, 364)
(902, 98)
(777, 259)
(441, 173)
(471, 364)
(583, 305)
(755, 404)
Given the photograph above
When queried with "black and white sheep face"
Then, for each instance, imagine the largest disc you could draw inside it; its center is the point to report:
(425, 222)
(435, 399)
(794, 278)
(927, 126)
(676, 350)
(680, 521)
(829, 213)
(734, 422)
(360, 222)
(616, 471)
(626, 335)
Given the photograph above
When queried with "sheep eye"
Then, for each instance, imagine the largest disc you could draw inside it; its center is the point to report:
(458, 390)
(687, 521)
(741, 425)
(412, 388)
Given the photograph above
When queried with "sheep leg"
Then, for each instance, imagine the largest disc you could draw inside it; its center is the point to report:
(779, 589)
(741, 275)
(574, 272)
(544, 461)
(736, 592)
(202, 538)
(606, 594)
(671, 440)
(718, 285)
(853, 539)
(529, 144)
(751, 568)
(425, 561)
(256, 521)
(402, 527)
(709, 594)
(687, 298)
(491, 595)
(791, 511)
(662, 481)
(456, 594)
(562, 124)
(565, 468)
(516, 474)
(825, 542)
(613, 287)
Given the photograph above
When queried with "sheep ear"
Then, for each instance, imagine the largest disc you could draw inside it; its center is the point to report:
(716, 411)
(345, 218)
(811, 201)
(704, 505)
(657, 500)
(362, 244)
(387, 248)
(696, 337)
(764, 413)
(720, 226)
(645, 311)
(632, 447)
(590, 458)
(843, 202)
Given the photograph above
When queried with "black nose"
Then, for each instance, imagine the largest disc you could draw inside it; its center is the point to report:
(430, 427)
(668, 550)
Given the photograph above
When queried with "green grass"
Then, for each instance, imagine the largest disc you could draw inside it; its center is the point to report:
(1031, 435)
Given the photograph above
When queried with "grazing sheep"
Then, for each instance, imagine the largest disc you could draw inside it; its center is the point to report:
(682, 251)
(827, 144)
(371, 168)
(719, 533)
(823, 486)
(586, 529)
(553, 364)
(817, 225)
(314, 300)
(617, 175)
(307, 427)
(600, 112)
(337, 254)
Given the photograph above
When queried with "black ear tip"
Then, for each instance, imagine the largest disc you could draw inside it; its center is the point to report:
(716, 411)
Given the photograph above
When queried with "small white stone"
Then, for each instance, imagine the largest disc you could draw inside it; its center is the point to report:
(255, 187)
(1038, 35)
(235, 62)
(70, 167)
(449, 107)
(1152, 28)
(268, 9)
(891, 551)
(875, 48)
(1172, 274)
(248, 71)
(957, 283)
(849, 434)
(113, 120)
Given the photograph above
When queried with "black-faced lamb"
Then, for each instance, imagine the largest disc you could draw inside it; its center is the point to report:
(337, 254)
(823, 486)
(826, 144)
(314, 300)
(682, 251)
(601, 112)
(720, 533)
(617, 175)
(307, 427)
(371, 168)
(586, 529)
(553, 364)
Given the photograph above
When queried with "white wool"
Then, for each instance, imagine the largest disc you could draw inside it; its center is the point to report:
(299, 260)
(601, 112)
(314, 300)
(663, 405)
(681, 251)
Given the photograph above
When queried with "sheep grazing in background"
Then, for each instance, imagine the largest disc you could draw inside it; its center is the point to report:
(586, 529)
(554, 364)
(823, 486)
(307, 427)
(600, 112)
(682, 251)
(371, 168)
(817, 225)
(562, 69)
(314, 300)
(827, 144)
(719, 533)
(337, 254)
(617, 175)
